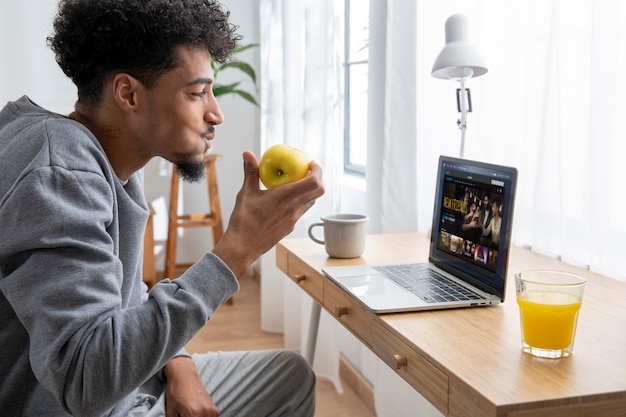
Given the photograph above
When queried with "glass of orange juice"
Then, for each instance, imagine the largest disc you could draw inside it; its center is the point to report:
(549, 302)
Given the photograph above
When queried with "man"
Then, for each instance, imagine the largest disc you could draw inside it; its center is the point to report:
(80, 335)
(486, 214)
(485, 218)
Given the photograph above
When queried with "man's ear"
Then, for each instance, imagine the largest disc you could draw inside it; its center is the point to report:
(126, 89)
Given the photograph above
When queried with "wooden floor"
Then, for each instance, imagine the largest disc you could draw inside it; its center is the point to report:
(237, 327)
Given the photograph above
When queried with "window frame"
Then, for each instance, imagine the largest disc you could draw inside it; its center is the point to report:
(349, 165)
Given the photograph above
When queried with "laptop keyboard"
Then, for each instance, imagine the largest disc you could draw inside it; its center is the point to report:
(426, 283)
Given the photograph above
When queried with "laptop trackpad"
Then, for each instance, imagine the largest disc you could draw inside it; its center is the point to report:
(380, 294)
(370, 285)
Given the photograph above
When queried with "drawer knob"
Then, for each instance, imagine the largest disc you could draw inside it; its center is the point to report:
(299, 278)
(341, 311)
(400, 361)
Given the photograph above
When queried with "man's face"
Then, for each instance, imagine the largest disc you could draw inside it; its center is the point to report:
(182, 113)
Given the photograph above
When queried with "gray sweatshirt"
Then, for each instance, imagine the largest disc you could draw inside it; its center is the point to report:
(78, 330)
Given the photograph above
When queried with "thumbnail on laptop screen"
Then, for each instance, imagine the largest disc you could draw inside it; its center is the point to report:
(472, 222)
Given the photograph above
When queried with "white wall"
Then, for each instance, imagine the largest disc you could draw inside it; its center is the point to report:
(27, 65)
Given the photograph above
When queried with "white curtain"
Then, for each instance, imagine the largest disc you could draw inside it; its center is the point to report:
(300, 102)
(301, 89)
(551, 107)
(392, 167)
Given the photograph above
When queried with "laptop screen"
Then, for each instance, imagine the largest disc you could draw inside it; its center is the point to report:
(472, 221)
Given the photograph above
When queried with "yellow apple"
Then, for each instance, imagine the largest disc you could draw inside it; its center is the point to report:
(282, 164)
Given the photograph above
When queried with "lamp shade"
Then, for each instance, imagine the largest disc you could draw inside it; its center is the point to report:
(458, 59)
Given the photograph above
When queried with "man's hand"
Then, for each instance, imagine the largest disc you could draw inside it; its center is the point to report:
(262, 217)
(185, 395)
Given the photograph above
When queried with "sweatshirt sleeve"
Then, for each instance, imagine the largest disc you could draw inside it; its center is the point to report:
(93, 336)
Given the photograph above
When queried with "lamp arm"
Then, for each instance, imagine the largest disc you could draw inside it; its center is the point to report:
(463, 121)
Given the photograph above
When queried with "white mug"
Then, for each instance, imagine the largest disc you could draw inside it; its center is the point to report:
(344, 234)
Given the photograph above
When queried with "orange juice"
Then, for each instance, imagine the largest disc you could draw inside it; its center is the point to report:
(549, 319)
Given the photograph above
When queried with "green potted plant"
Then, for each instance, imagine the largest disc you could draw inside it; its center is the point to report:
(234, 88)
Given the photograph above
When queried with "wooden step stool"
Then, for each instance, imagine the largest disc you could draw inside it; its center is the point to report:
(212, 219)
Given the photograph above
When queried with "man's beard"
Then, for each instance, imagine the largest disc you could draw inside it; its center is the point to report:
(191, 171)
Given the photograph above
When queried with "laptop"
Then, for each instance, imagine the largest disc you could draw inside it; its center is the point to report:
(469, 247)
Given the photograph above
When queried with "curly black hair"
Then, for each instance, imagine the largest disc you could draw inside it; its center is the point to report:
(94, 39)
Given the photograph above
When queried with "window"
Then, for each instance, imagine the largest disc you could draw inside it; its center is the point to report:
(355, 85)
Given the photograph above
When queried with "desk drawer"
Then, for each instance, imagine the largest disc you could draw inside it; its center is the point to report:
(412, 367)
(349, 312)
(306, 277)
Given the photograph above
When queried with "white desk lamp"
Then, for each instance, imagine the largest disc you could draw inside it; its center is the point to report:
(460, 61)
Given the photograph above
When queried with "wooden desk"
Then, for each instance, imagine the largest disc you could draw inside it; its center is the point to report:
(468, 362)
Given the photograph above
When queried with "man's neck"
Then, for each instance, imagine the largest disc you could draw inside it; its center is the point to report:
(111, 138)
